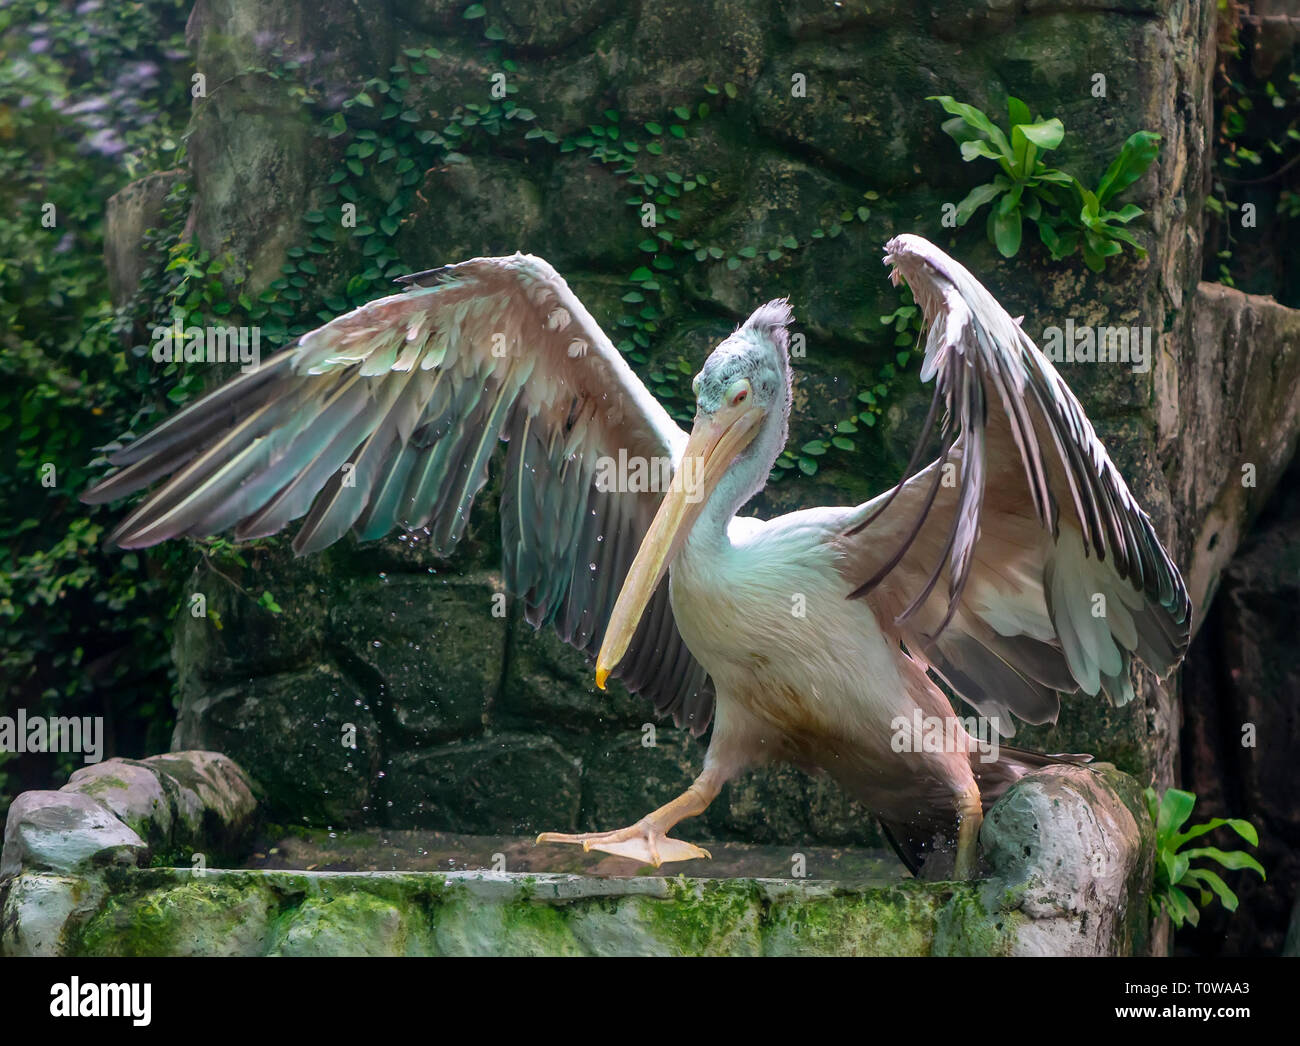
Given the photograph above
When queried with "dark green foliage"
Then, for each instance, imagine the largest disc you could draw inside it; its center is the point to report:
(89, 99)
(1255, 202)
(1068, 215)
(1175, 879)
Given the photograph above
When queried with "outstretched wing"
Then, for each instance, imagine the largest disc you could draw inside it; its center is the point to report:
(388, 416)
(1017, 564)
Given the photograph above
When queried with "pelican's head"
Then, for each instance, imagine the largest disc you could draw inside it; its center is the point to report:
(750, 369)
(742, 411)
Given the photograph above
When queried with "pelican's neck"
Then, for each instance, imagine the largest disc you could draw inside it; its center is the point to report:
(745, 478)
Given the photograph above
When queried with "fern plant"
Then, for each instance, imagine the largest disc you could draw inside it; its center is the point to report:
(1175, 878)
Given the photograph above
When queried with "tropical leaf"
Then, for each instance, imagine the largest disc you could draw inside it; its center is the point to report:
(1138, 153)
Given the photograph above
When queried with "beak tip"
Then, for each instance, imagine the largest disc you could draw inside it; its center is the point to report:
(602, 674)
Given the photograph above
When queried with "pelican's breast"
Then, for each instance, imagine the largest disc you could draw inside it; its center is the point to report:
(766, 615)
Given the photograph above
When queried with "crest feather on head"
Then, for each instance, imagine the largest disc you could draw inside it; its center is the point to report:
(772, 321)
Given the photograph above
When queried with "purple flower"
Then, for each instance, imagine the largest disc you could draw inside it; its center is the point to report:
(106, 142)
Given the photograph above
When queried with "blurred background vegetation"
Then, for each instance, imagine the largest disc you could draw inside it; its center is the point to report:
(92, 95)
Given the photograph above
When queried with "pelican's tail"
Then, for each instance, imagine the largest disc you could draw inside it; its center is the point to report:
(922, 846)
(1011, 765)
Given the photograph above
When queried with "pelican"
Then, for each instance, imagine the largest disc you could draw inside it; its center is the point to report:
(1014, 567)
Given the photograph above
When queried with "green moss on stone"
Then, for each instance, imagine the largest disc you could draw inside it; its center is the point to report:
(199, 917)
(472, 926)
(165, 911)
(99, 785)
(895, 921)
(965, 926)
(713, 917)
(355, 923)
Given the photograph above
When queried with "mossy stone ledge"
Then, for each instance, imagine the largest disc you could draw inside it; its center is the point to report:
(1068, 854)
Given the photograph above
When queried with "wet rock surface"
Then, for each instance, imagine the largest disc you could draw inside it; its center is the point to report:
(1072, 846)
(65, 832)
(380, 850)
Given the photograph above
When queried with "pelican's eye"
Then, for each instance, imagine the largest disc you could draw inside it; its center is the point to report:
(738, 392)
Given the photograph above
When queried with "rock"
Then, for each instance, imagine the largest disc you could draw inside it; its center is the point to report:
(468, 927)
(782, 805)
(485, 206)
(663, 60)
(188, 917)
(889, 922)
(811, 18)
(561, 92)
(37, 910)
(130, 213)
(229, 37)
(212, 798)
(351, 924)
(462, 76)
(133, 791)
(848, 109)
(507, 783)
(699, 918)
(1069, 848)
(167, 912)
(548, 682)
(181, 803)
(65, 832)
(783, 196)
(553, 24)
(443, 15)
(225, 635)
(293, 733)
(1240, 398)
(961, 22)
(1241, 731)
(623, 780)
(254, 208)
(431, 650)
(589, 223)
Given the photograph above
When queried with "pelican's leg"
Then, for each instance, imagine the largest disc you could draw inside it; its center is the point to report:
(970, 815)
(647, 840)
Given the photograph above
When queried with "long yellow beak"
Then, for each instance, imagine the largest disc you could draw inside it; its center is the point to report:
(713, 445)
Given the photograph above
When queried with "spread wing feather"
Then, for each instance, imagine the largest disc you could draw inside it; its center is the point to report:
(1017, 564)
(389, 416)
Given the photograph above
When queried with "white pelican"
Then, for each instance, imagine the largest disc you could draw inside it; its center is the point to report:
(1014, 566)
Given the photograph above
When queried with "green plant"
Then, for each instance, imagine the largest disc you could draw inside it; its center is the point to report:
(1067, 215)
(91, 96)
(1256, 160)
(1174, 875)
